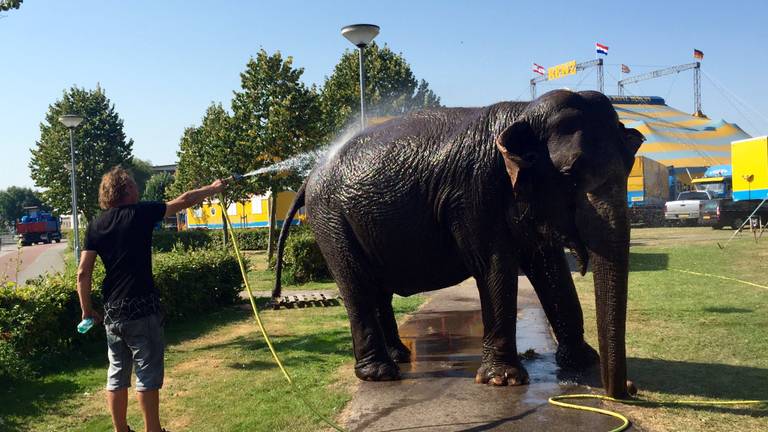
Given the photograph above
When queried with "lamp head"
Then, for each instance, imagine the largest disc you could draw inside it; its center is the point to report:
(360, 34)
(71, 120)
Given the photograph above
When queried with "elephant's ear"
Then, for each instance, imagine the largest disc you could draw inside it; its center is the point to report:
(517, 144)
(632, 140)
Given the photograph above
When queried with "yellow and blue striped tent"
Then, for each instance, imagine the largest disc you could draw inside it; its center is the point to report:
(675, 138)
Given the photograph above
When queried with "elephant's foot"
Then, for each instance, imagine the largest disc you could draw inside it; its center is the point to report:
(501, 372)
(399, 353)
(576, 356)
(377, 371)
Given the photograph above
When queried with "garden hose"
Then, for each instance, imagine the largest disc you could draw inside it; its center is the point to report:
(264, 330)
(557, 401)
(554, 400)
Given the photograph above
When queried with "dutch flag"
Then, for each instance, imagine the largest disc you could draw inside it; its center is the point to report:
(601, 49)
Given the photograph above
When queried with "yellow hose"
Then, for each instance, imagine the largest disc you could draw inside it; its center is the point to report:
(556, 400)
(264, 330)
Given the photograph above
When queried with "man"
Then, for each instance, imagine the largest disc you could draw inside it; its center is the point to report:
(122, 237)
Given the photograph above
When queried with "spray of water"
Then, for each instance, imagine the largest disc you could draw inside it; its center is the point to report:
(304, 162)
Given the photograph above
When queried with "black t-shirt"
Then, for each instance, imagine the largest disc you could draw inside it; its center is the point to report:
(122, 237)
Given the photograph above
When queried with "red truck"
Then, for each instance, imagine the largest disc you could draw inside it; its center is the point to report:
(38, 227)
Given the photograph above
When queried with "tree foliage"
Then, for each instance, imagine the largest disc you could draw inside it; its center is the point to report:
(277, 117)
(157, 186)
(212, 151)
(12, 203)
(10, 4)
(390, 87)
(142, 172)
(99, 142)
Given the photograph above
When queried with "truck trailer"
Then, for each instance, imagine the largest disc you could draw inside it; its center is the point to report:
(647, 190)
(38, 227)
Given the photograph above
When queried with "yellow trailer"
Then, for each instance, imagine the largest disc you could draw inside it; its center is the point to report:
(252, 212)
(647, 185)
(750, 168)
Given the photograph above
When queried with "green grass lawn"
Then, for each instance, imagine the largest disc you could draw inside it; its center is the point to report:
(695, 337)
(262, 279)
(219, 376)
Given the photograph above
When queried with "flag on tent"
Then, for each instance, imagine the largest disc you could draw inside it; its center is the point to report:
(601, 49)
(625, 68)
(698, 54)
(539, 69)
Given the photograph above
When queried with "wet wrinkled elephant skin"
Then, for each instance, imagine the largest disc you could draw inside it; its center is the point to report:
(427, 200)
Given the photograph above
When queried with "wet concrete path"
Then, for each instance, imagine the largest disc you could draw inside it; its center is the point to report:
(438, 393)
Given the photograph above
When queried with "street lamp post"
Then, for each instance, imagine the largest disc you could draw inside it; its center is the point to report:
(361, 35)
(71, 121)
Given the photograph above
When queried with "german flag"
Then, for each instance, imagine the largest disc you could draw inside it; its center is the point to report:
(698, 55)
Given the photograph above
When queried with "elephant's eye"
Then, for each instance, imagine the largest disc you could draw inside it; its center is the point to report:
(568, 125)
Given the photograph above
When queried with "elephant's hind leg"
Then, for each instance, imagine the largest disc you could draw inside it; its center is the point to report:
(547, 269)
(398, 352)
(361, 295)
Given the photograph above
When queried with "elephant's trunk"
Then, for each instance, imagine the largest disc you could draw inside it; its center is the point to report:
(610, 274)
(607, 239)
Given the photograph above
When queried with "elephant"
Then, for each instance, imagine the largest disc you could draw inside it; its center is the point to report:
(429, 199)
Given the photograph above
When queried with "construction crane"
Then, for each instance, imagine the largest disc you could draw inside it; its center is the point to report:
(696, 66)
(598, 63)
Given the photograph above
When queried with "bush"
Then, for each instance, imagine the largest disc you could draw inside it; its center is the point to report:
(37, 321)
(302, 261)
(166, 241)
(196, 281)
(252, 239)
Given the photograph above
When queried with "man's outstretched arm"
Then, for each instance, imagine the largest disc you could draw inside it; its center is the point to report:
(193, 197)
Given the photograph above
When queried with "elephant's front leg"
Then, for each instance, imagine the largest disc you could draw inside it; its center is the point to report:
(498, 298)
(547, 269)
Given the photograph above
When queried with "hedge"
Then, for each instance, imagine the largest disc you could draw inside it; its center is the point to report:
(166, 240)
(37, 321)
(302, 261)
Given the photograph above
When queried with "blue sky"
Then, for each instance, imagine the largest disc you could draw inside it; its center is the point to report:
(163, 62)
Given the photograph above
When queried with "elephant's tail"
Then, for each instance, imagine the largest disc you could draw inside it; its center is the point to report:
(298, 202)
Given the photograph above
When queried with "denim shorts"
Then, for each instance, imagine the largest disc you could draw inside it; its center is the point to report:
(138, 342)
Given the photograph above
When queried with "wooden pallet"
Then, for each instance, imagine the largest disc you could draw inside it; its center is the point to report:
(305, 300)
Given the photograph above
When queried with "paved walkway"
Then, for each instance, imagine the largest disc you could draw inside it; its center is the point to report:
(438, 393)
(31, 261)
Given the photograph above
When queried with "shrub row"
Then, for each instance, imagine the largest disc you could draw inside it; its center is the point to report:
(37, 321)
(302, 261)
(166, 241)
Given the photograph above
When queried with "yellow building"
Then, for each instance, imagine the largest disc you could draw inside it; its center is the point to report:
(249, 213)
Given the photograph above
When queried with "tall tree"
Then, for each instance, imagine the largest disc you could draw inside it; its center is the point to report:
(278, 117)
(390, 87)
(12, 203)
(156, 187)
(142, 171)
(212, 151)
(10, 4)
(100, 144)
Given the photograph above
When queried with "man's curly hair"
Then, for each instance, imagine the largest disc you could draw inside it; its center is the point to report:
(114, 187)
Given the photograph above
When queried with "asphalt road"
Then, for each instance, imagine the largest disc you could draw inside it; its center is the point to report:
(20, 265)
